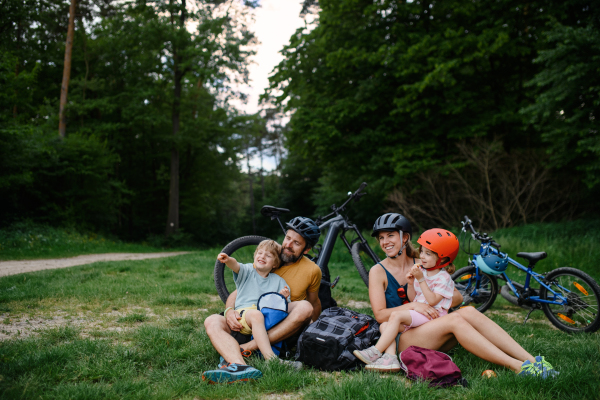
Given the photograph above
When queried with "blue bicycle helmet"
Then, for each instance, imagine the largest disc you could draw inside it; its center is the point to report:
(492, 264)
(306, 228)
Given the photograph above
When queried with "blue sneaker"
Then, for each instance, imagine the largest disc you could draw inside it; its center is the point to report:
(222, 362)
(528, 369)
(231, 373)
(546, 370)
(541, 368)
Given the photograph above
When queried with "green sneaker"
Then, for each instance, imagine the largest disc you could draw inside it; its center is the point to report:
(546, 370)
(528, 369)
(541, 368)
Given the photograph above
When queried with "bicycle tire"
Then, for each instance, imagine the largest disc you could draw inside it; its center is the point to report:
(488, 296)
(230, 249)
(581, 313)
(358, 262)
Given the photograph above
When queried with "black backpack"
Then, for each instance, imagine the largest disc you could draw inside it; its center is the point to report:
(328, 342)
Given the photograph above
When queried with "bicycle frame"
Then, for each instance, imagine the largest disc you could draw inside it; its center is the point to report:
(334, 226)
(540, 278)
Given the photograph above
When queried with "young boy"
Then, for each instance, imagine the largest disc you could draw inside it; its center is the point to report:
(252, 281)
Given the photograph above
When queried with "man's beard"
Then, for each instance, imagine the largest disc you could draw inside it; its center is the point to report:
(289, 258)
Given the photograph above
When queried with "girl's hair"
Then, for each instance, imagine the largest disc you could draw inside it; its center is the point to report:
(450, 268)
(410, 250)
(272, 247)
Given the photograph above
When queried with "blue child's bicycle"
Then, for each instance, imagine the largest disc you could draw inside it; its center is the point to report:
(569, 297)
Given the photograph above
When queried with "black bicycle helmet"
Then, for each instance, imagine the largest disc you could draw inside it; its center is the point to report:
(391, 222)
(306, 228)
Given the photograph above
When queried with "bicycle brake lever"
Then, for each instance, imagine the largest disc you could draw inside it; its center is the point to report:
(358, 196)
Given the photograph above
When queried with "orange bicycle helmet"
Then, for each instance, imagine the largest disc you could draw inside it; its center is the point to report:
(444, 243)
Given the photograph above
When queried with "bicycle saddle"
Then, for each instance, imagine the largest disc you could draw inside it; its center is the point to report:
(533, 257)
(270, 211)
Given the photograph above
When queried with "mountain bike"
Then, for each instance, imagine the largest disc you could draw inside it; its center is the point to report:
(569, 297)
(336, 223)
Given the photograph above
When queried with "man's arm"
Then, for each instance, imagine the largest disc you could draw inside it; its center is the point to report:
(232, 317)
(313, 299)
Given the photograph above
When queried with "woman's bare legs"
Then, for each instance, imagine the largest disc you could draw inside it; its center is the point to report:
(494, 333)
(389, 330)
(437, 333)
(256, 321)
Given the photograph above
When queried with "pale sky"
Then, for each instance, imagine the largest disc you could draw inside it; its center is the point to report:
(276, 21)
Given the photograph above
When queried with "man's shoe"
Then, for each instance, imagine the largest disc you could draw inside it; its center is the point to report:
(222, 362)
(387, 363)
(232, 373)
(368, 356)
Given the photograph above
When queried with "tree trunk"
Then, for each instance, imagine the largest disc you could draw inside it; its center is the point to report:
(262, 172)
(173, 215)
(251, 189)
(62, 126)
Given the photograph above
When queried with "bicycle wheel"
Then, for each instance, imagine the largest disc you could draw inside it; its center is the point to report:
(361, 257)
(243, 248)
(485, 292)
(580, 314)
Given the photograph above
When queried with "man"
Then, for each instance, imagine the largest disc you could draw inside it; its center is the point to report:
(303, 278)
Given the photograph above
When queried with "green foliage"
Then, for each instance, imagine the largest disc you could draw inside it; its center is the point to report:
(112, 172)
(383, 90)
(568, 101)
(58, 181)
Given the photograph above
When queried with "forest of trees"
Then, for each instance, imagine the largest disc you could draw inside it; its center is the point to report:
(482, 107)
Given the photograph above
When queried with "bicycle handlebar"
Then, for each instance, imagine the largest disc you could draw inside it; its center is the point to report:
(354, 196)
(478, 236)
(360, 188)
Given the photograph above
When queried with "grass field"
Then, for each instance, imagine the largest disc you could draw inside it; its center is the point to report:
(134, 330)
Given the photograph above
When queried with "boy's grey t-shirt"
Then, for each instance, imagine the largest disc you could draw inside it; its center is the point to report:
(250, 285)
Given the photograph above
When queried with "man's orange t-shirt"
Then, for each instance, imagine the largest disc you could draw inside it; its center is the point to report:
(302, 277)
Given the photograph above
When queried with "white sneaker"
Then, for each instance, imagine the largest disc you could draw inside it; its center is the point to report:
(387, 363)
(368, 356)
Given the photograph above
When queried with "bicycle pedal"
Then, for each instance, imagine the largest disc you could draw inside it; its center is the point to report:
(335, 282)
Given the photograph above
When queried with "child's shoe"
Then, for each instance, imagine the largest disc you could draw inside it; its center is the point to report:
(368, 356)
(386, 363)
(297, 365)
(231, 373)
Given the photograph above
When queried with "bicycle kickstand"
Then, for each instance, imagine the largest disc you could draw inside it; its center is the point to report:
(529, 313)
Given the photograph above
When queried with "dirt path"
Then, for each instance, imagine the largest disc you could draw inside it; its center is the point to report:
(18, 267)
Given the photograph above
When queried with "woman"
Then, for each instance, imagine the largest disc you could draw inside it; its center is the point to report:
(389, 291)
